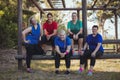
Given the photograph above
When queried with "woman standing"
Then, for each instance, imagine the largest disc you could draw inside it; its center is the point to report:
(31, 37)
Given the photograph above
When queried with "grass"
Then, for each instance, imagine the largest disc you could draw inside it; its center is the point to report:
(108, 69)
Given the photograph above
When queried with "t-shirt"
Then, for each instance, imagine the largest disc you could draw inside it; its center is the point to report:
(93, 41)
(34, 35)
(75, 28)
(50, 27)
(62, 44)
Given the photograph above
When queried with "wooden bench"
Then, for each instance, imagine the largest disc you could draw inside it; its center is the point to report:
(74, 57)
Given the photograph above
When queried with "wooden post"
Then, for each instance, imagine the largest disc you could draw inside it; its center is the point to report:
(116, 28)
(19, 33)
(84, 19)
(78, 14)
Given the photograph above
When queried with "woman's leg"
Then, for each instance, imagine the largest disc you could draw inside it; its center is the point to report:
(57, 61)
(80, 42)
(92, 62)
(29, 53)
(93, 59)
(83, 59)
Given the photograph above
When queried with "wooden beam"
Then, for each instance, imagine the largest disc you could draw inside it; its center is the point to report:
(107, 4)
(50, 3)
(63, 2)
(94, 4)
(111, 41)
(55, 9)
(19, 32)
(36, 4)
(84, 17)
(49, 57)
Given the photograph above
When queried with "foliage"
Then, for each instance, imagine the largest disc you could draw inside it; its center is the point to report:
(8, 22)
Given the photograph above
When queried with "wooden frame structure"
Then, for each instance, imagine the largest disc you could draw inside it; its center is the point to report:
(84, 18)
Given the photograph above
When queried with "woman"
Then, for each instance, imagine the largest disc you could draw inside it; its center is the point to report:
(63, 50)
(50, 30)
(31, 37)
(75, 31)
(94, 43)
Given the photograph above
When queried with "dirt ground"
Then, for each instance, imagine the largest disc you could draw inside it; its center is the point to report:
(44, 70)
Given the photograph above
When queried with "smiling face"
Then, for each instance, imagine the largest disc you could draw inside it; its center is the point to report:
(62, 35)
(33, 21)
(74, 16)
(94, 30)
(49, 17)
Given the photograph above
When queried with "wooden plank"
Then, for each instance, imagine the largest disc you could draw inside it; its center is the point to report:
(49, 57)
(63, 2)
(36, 4)
(50, 3)
(111, 41)
(94, 2)
(64, 9)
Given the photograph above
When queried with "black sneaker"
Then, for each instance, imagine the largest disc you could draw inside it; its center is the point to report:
(57, 72)
(67, 72)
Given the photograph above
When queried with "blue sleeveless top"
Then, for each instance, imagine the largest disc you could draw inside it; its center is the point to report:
(34, 35)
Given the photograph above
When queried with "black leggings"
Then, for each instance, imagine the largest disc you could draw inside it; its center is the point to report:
(87, 54)
(67, 60)
(32, 50)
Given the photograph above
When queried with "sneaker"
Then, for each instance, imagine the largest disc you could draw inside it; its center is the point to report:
(29, 70)
(67, 72)
(80, 70)
(90, 73)
(57, 72)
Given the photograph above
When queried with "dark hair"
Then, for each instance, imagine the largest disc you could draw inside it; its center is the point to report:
(95, 26)
(74, 13)
(49, 14)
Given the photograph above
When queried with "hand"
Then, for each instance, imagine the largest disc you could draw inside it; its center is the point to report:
(27, 41)
(93, 54)
(62, 55)
(81, 52)
(48, 37)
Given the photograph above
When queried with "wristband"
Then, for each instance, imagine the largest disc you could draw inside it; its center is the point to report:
(66, 53)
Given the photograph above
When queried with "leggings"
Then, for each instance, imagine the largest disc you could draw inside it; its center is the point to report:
(67, 60)
(87, 54)
(32, 50)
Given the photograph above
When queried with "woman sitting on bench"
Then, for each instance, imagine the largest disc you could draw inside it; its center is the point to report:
(94, 43)
(31, 37)
(75, 31)
(63, 50)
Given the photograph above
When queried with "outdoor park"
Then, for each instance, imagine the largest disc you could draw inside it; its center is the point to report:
(15, 17)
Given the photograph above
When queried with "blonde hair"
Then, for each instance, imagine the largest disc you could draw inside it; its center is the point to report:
(61, 32)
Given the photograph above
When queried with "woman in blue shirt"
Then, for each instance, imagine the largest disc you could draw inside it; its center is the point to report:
(63, 50)
(31, 37)
(92, 49)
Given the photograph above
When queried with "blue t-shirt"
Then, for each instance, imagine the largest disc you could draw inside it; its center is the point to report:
(93, 41)
(62, 44)
(34, 35)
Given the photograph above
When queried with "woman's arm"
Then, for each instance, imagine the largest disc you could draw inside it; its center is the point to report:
(68, 49)
(70, 32)
(96, 49)
(57, 49)
(26, 31)
(80, 32)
